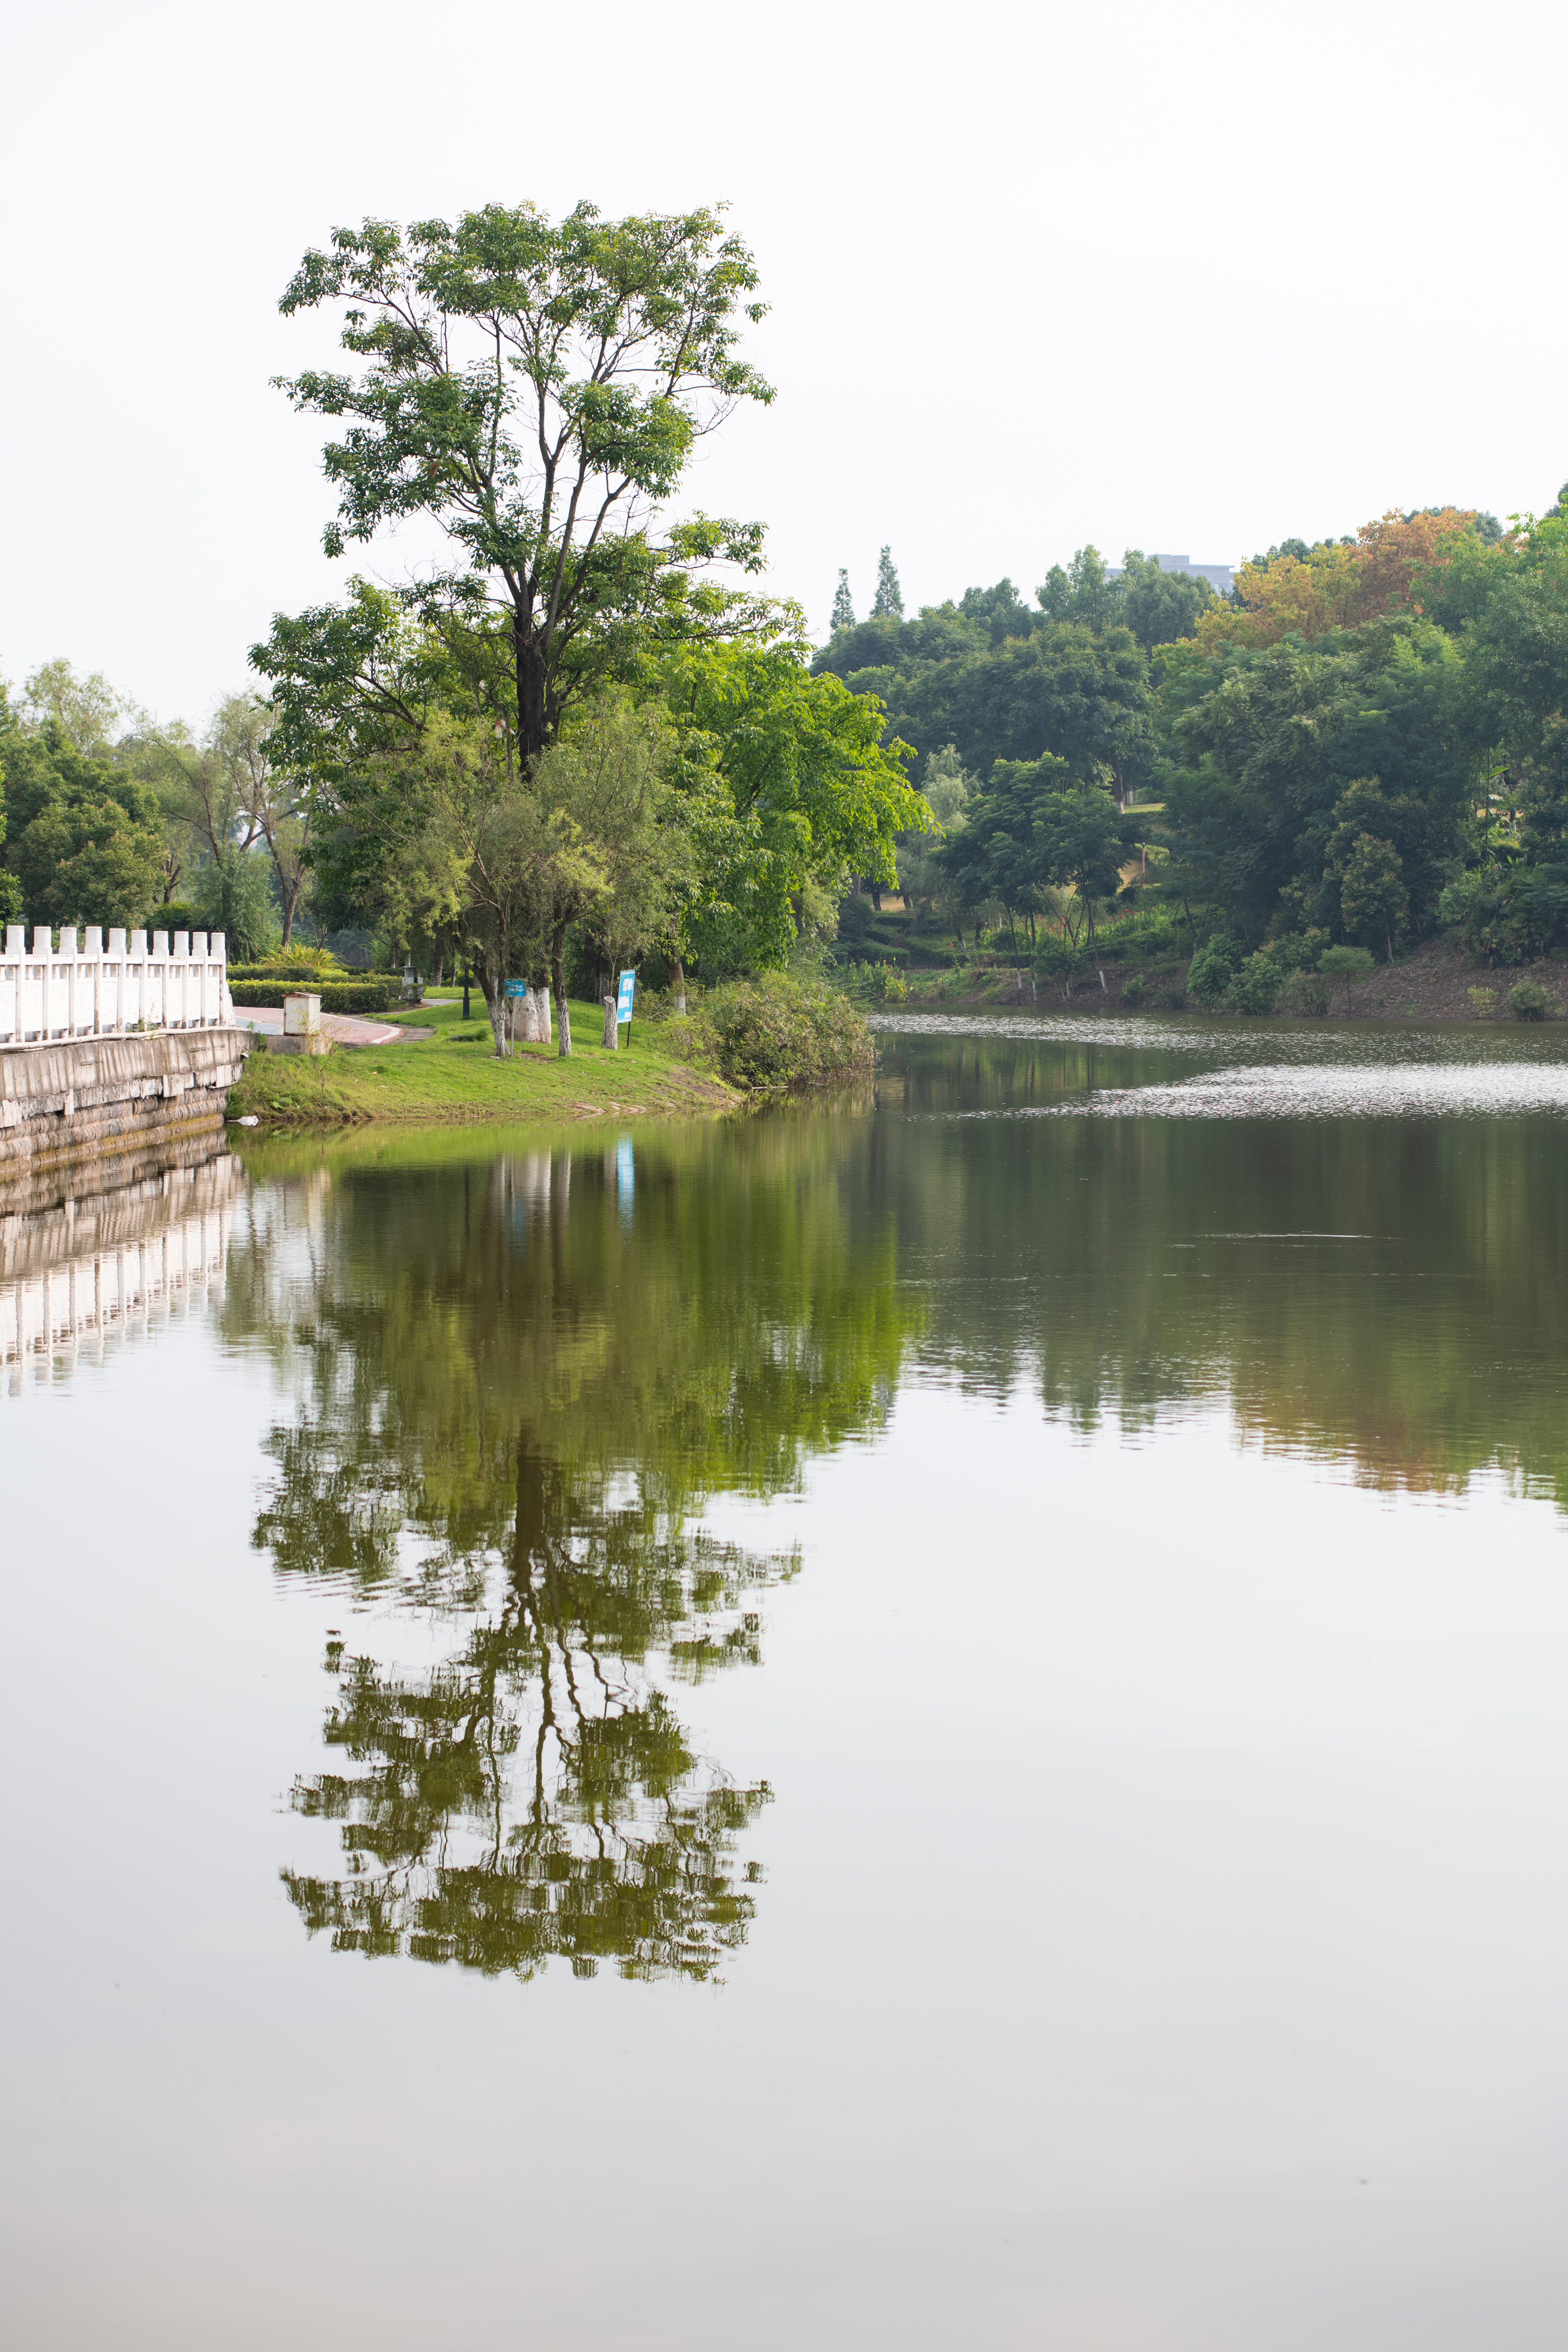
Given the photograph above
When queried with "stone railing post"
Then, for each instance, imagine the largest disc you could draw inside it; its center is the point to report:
(611, 1027)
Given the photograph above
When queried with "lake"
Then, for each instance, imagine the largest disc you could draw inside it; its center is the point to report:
(934, 1723)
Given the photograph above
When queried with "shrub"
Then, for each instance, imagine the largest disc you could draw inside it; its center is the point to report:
(1528, 1001)
(1347, 964)
(1482, 1000)
(1054, 958)
(305, 963)
(1303, 991)
(1254, 984)
(778, 1035)
(337, 996)
(1209, 974)
(1134, 990)
(1504, 913)
(1299, 950)
(181, 916)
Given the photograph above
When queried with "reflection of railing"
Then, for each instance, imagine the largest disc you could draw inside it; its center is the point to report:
(102, 991)
(88, 1268)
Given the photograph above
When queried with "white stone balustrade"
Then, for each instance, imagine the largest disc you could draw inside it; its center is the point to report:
(48, 993)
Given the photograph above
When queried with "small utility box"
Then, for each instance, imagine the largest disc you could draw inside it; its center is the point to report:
(302, 1031)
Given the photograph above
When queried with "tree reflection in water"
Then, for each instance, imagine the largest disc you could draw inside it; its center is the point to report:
(511, 1408)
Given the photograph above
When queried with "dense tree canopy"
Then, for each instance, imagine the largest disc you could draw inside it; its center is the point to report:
(537, 389)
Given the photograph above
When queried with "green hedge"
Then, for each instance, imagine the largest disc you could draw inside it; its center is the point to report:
(337, 996)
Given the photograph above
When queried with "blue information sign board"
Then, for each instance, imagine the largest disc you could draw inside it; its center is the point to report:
(517, 988)
(624, 1001)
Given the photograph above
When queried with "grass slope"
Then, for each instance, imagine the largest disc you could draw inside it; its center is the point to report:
(454, 1076)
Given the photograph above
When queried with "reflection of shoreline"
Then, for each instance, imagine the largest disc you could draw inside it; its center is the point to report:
(78, 1268)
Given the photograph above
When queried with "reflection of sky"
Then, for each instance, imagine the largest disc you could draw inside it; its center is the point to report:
(1321, 1091)
(1161, 1948)
(625, 1179)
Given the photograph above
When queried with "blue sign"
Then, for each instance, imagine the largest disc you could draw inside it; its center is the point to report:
(517, 988)
(624, 1003)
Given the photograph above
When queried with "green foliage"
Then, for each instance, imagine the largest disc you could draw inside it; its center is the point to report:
(1345, 963)
(534, 389)
(1506, 913)
(1029, 831)
(235, 896)
(1254, 985)
(779, 1035)
(791, 789)
(295, 963)
(83, 839)
(1290, 754)
(1528, 1001)
(337, 996)
(1056, 958)
(1373, 901)
(1210, 972)
(888, 605)
(843, 606)
(1303, 991)
(1159, 606)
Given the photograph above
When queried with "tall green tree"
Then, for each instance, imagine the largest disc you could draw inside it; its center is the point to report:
(83, 839)
(1083, 594)
(796, 789)
(537, 391)
(843, 606)
(888, 605)
(1159, 606)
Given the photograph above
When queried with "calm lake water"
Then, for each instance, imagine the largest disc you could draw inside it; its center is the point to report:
(935, 1725)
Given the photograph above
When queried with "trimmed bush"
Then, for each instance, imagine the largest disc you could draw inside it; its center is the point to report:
(337, 996)
(1528, 1001)
(778, 1036)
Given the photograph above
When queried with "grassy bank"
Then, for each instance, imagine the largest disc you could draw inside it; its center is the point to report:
(454, 1078)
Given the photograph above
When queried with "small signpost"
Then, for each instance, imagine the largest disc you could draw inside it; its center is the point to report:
(624, 1001)
(517, 988)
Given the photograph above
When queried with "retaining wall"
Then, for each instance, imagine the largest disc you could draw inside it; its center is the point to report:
(94, 1098)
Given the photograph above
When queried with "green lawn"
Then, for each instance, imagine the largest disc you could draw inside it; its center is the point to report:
(455, 1075)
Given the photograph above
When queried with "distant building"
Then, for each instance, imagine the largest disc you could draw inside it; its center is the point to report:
(1220, 576)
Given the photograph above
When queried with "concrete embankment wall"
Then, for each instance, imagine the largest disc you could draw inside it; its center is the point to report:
(89, 1099)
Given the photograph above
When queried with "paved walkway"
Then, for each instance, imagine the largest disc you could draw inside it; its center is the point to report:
(342, 1028)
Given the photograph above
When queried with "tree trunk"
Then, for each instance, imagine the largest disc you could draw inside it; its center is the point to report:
(494, 993)
(677, 983)
(611, 1027)
(558, 982)
(531, 684)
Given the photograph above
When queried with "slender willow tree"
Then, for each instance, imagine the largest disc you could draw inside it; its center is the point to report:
(537, 389)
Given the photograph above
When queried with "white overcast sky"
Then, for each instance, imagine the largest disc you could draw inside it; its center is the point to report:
(1191, 278)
